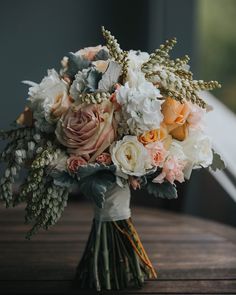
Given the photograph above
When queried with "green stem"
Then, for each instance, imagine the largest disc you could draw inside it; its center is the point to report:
(106, 256)
(96, 251)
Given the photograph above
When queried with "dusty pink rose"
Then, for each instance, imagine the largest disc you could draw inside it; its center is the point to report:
(134, 182)
(172, 170)
(74, 162)
(90, 52)
(104, 158)
(87, 130)
(157, 152)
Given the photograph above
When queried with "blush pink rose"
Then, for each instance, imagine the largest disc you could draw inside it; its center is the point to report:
(74, 162)
(172, 170)
(104, 158)
(90, 52)
(87, 130)
(157, 153)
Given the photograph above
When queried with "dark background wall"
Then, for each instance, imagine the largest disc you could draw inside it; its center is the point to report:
(35, 35)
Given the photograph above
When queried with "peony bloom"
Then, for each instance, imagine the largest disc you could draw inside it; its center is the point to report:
(172, 170)
(48, 100)
(197, 148)
(74, 162)
(130, 156)
(104, 158)
(87, 130)
(140, 106)
(157, 153)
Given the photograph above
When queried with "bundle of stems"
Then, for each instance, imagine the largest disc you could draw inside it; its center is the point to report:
(114, 258)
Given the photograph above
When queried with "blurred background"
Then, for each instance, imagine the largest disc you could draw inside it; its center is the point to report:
(35, 35)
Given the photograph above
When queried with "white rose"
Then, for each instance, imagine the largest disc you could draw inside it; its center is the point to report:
(51, 92)
(141, 106)
(130, 156)
(197, 148)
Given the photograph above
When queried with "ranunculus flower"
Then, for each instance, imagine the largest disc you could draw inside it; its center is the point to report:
(74, 162)
(90, 52)
(130, 156)
(104, 158)
(153, 135)
(87, 130)
(172, 170)
(157, 153)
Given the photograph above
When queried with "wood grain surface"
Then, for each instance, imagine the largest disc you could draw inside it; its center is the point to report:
(192, 256)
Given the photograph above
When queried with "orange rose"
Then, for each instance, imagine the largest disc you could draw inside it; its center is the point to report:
(175, 117)
(153, 135)
(174, 112)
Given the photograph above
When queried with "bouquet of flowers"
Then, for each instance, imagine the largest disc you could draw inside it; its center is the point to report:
(109, 120)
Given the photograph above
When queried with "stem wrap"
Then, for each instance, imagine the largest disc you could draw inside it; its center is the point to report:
(116, 205)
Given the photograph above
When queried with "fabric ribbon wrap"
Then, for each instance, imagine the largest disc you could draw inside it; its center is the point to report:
(116, 206)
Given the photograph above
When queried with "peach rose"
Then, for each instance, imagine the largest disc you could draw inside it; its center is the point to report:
(153, 135)
(104, 158)
(157, 152)
(134, 182)
(87, 130)
(26, 118)
(175, 116)
(74, 162)
(90, 52)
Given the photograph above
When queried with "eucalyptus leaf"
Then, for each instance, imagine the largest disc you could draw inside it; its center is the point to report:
(96, 185)
(76, 63)
(110, 77)
(217, 162)
(93, 79)
(164, 190)
(102, 55)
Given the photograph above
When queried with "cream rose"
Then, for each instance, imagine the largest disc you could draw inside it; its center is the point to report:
(87, 130)
(130, 156)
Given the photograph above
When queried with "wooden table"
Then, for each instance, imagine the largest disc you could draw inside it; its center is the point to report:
(192, 256)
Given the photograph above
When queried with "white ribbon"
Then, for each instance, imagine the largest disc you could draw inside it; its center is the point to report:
(116, 205)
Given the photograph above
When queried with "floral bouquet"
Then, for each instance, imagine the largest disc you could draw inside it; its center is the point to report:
(108, 121)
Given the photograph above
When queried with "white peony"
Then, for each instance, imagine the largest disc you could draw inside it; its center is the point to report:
(130, 156)
(197, 148)
(52, 91)
(141, 106)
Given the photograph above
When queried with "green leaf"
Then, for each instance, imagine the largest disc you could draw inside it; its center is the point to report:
(217, 162)
(96, 185)
(164, 190)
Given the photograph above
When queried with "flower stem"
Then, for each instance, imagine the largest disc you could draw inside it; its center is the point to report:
(96, 251)
(106, 256)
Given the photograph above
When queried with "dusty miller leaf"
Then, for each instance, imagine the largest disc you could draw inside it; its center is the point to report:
(163, 190)
(90, 169)
(76, 63)
(96, 185)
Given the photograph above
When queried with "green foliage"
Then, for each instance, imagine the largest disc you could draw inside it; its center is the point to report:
(45, 205)
(164, 190)
(217, 162)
